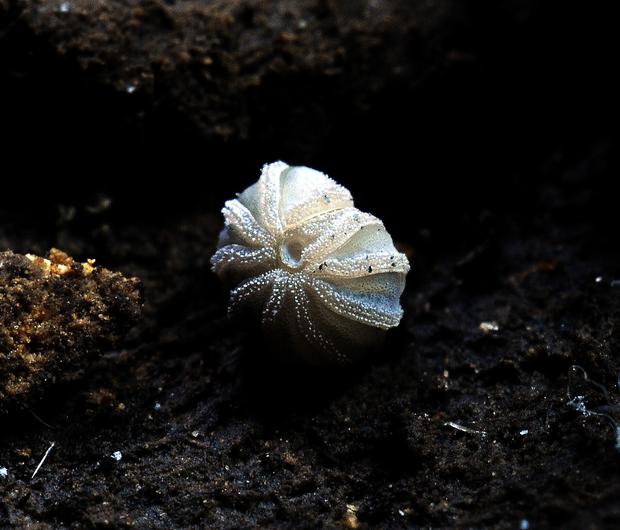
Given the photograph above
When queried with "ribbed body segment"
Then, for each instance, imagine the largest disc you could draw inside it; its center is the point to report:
(325, 277)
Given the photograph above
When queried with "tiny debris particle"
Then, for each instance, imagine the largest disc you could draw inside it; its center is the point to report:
(102, 204)
(49, 449)
(524, 524)
(4, 472)
(463, 428)
(598, 279)
(350, 518)
(579, 404)
(117, 455)
(488, 327)
(157, 406)
(524, 432)
(195, 434)
(65, 7)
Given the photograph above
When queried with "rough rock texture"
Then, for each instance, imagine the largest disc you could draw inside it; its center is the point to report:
(55, 315)
(216, 64)
(482, 133)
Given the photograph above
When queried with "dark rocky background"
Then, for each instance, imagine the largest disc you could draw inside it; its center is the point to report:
(484, 134)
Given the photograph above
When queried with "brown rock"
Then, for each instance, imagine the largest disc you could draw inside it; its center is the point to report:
(55, 315)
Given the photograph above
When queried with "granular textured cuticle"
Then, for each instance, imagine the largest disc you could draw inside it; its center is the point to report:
(322, 274)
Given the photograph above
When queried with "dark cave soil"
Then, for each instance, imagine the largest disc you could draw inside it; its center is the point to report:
(214, 434)
(501, 188)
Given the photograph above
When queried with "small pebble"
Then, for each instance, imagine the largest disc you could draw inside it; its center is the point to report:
(488, 327)
(4, 472)
(117, 455)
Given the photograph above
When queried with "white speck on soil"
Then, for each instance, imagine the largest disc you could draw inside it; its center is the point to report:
(488, 327)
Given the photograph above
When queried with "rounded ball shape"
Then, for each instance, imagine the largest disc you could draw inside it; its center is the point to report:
(324, 276)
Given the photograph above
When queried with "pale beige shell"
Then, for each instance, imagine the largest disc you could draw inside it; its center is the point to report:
(324, 276)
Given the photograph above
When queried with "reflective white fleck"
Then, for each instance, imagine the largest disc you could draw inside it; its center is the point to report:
(488, 327)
